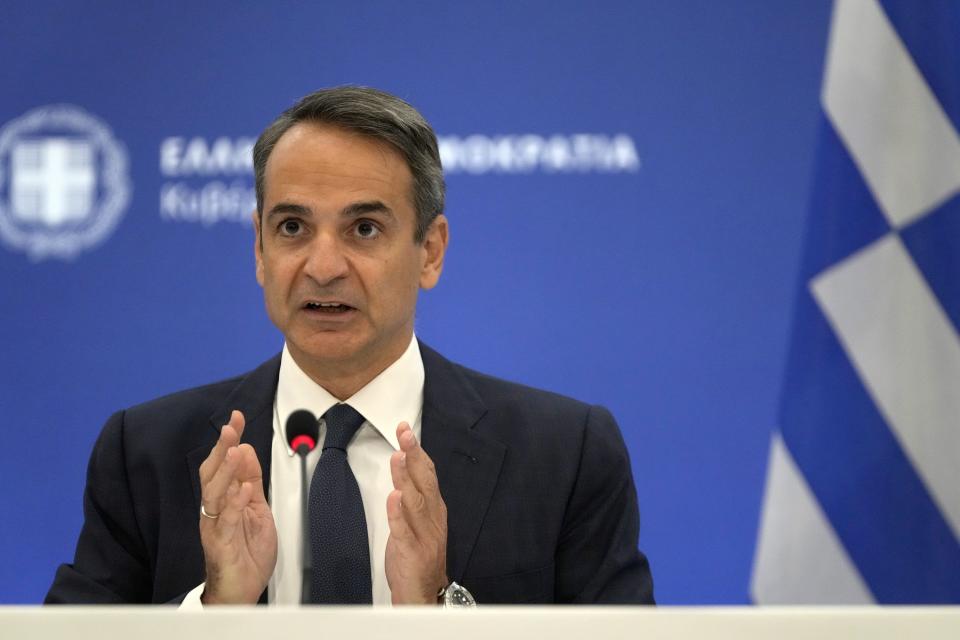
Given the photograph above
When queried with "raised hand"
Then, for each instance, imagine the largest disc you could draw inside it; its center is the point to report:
(237, 530)
(416, 560)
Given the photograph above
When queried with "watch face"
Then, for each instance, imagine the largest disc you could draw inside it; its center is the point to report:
(457, 596)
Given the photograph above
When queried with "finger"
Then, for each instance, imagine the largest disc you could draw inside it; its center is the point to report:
(397, 473)
(214, 493)
(237, 499)
(250, 472)
(405, 441)
(422, 521)
(229, 437)
(404, 483)
(419, 466)
(398, 461)
(397, 520)
(238, 422)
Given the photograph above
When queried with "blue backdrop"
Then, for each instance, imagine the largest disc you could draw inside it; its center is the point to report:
(628, 188)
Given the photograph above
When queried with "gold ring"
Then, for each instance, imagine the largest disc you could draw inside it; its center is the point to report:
(203, 512)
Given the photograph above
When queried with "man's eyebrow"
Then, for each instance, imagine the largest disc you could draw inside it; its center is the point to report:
(289, 208)
(353, 210)
(372, 206)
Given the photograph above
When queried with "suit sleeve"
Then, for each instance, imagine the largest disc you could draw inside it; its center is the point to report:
(111, 564)
(597, 558)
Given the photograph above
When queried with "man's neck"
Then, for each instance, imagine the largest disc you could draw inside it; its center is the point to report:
(343, 380)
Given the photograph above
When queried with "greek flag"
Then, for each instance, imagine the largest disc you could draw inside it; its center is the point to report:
(862, 500)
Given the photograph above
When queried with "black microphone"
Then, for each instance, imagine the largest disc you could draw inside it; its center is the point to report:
(303, 429)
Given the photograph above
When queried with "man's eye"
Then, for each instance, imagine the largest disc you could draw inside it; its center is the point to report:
(290, 227)
(367, 229)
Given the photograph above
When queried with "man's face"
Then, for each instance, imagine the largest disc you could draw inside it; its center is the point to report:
(338, 264)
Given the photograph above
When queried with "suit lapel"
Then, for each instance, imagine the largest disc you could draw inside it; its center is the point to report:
(468, 462)
(253, 397)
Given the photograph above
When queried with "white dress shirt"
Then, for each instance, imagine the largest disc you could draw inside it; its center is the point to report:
(394, 396)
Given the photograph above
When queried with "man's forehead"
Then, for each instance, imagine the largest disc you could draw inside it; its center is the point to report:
(313, 155)
(322, 138)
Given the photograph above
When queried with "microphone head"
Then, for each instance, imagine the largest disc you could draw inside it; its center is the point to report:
(303, 429)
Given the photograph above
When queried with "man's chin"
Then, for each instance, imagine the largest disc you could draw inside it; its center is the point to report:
(328, 348)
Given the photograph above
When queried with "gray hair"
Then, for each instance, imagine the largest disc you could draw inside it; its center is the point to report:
(379, 115)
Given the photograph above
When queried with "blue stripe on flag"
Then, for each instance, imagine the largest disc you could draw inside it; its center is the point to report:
(931, 32)
(869, 490)
(932, 241)
(871, 494)
(844, 215)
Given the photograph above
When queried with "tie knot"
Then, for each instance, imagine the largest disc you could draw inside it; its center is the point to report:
(342, 422)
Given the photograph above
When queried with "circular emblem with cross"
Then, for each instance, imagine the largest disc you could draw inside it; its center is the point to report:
(64, 182)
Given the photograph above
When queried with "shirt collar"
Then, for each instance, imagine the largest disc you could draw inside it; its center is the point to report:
(394, 396)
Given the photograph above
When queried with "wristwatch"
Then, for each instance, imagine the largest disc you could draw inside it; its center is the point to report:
(453, 596)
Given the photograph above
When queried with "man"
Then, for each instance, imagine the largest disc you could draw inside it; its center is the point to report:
(518, 495)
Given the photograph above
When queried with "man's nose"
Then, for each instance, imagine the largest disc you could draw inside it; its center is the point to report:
(326, 261)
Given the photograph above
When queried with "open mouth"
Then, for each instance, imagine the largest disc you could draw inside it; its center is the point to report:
(331, 308)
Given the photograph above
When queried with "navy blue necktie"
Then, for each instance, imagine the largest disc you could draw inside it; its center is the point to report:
(338, 528)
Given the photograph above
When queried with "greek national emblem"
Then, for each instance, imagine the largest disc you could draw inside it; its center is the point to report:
(64, 182)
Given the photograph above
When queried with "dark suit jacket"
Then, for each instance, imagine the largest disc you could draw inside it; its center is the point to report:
(540, 497)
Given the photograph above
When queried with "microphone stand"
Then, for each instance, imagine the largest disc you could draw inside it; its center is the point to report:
(307, 550)
(302, 434)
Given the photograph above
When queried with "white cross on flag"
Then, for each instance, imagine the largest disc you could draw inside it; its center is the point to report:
(862, 500)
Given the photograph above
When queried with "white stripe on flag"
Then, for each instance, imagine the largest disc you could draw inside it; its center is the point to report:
(907, 354)
(889, 120)
(799, 558)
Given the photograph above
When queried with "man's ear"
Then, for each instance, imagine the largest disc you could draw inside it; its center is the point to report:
(258, 247)
(435, 248)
